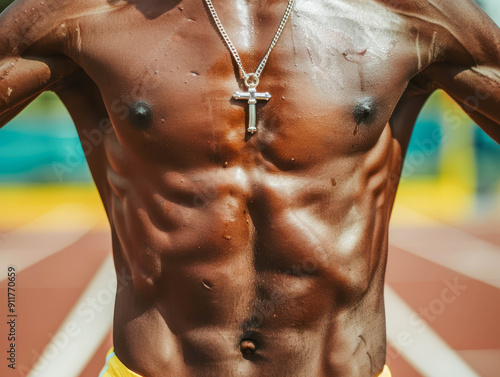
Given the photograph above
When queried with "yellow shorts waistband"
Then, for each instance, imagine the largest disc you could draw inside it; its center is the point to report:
(115, 368)
(386, 372)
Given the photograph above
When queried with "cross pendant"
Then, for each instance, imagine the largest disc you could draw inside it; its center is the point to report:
(252, 96)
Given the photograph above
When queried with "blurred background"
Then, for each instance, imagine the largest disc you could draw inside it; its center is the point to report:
(445, 237)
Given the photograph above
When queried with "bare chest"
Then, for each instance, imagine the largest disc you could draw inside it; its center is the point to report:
(168, 82)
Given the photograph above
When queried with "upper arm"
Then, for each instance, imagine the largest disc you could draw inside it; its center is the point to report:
(468, 64)
(32, 52)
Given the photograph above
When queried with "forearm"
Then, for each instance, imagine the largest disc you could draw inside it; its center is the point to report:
(476, 90)
(32, 52)
(23, 79)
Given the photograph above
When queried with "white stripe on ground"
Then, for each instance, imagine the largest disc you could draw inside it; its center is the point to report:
(448, 247)
(417, 342)
(48, 234)
(83, 330)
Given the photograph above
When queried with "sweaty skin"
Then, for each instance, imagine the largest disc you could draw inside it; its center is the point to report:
(257, 255)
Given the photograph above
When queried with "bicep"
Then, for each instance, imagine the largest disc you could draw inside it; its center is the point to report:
(469, 68)
(31, 60)
(23, 79)
(476, 90)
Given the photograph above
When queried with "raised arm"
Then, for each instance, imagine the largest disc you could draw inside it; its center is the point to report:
(33, 40)
(468, 60)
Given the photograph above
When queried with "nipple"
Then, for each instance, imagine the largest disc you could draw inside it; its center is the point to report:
(363, 110)
(141, 114)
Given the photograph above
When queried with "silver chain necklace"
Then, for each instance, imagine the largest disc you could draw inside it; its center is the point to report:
(251, 79)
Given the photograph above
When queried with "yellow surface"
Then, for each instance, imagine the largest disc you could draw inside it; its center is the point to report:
(449, 201)
(20, 205)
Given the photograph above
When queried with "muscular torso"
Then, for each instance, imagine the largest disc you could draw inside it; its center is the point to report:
(275, 241)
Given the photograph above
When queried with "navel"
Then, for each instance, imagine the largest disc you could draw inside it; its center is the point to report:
(248, 343)
(141, 114)
(248, 346)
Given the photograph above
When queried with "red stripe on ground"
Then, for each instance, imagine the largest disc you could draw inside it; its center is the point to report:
(465, 316)
(398, 365)
(487, 362)
(486, 230)
(48, 290)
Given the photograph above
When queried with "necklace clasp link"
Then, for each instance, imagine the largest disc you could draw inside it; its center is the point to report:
(251, 80)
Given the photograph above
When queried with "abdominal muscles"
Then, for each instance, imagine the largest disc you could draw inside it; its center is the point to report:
(238, 263)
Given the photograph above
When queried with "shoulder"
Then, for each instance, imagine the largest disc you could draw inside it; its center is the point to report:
(458, 29)
(43, 27)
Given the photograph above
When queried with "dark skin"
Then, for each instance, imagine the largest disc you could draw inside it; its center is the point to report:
(257, 255)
